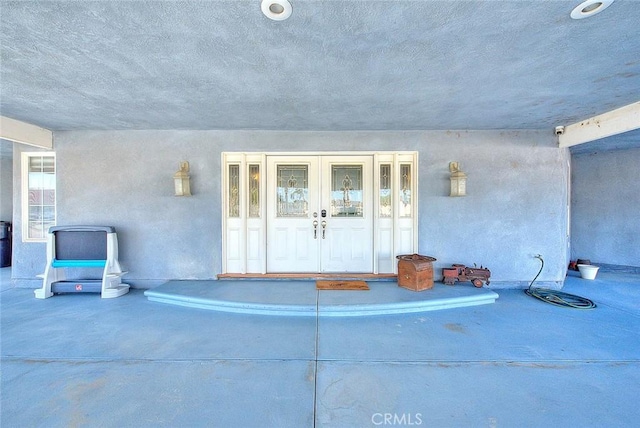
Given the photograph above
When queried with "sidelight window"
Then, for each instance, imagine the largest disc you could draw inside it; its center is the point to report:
(405, 190)
(38, 195)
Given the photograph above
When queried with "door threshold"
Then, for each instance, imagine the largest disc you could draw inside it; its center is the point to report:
(311, 276)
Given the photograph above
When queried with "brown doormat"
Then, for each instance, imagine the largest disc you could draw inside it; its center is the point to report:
(341, 285)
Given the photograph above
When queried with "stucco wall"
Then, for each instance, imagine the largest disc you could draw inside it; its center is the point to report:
(6, 193)
(516, 205)
(605, 225)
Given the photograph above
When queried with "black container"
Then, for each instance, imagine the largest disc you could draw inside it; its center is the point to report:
(5, 244)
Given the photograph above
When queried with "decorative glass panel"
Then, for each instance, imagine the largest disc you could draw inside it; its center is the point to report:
(42, 195)
(346, 191)
(254, 190)
(234, 190)
(293, 191)
(385, 191)
(405, 190)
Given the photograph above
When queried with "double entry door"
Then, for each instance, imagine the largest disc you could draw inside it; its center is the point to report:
(319, 213)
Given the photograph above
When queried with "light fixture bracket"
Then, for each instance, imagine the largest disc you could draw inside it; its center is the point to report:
(458, 180)
(181, 180)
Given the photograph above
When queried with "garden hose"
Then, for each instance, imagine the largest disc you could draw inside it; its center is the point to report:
(557, 298)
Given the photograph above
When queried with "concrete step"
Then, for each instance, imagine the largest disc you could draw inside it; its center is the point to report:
(300, 298)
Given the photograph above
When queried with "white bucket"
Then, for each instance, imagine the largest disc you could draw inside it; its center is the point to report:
(588, 271)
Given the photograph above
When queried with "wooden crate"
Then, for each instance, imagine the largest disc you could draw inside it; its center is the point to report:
(415, 272)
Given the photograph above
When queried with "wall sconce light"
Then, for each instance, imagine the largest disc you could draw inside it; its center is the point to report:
(181, 180)
(458, 180)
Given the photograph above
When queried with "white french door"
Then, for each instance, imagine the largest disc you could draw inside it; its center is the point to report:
(319, 214)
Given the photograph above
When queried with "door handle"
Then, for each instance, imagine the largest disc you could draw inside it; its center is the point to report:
(315, 229)
(324, 227)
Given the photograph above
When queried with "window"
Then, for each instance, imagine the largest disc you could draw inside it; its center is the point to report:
(293, 191)
(405, 190)
(234, 190)
(385, 191)
(347, 191)
(38, 195)
(254, 191)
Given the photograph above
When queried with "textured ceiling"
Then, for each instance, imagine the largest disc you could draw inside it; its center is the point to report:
(334, 65)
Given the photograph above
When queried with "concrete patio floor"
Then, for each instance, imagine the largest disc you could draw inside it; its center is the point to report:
(78, 360)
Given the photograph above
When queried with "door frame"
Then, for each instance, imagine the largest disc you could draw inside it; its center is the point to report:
(244, 216)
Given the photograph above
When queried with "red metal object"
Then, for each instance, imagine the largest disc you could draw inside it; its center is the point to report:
(462, 273)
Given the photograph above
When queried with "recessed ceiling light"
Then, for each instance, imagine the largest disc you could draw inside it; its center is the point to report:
(589, 8)
(278, 10)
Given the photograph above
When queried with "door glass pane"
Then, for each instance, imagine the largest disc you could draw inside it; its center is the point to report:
(385, 190)
(405, 190)
(234, 191)
(292, 191)
(254, 190)
(346, 191)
